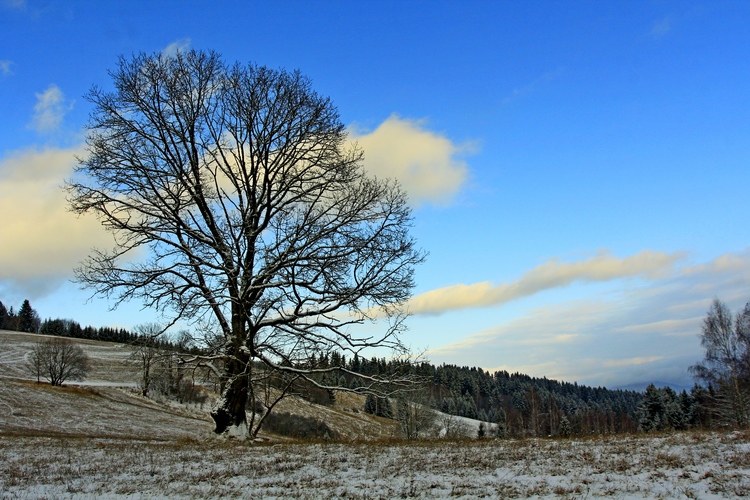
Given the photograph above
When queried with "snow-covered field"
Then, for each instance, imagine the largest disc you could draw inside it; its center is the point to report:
(688, 465)
(103, 439)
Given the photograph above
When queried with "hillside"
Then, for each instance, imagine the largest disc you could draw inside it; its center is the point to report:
(107, 403)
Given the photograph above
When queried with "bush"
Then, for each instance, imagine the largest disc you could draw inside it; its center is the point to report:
(297, 426)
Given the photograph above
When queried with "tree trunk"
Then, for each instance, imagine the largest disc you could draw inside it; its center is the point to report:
(230, 409)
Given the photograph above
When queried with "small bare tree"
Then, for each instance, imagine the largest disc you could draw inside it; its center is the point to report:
(146, 353)
(726, 339)
(414, 414)
(57, 360)
(452, 427)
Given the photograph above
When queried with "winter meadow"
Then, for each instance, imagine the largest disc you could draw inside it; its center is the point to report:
(486, 249)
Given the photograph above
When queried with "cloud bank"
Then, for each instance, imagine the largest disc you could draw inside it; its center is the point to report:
(42, 241)
(45, 241)
(552, 274)
(427, 164)
(633, 335)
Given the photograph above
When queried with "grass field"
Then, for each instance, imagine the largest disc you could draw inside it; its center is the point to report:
(688, 465)
(102, 439)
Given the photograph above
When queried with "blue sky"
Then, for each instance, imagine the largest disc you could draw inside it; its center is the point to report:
(578, 170)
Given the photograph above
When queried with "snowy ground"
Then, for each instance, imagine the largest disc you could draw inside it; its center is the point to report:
(692, 465)
(101, 440)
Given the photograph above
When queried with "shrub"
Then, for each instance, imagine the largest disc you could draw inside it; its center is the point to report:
(297, 426)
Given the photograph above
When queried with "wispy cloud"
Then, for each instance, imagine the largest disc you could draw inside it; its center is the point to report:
(177, 46)
(13, 4)
(525, 90)
(42, 240)
(428, 165)
(617, 363)
(50, 109)
(661, 28)
(552, 274)
(634, 334)
(5, 66)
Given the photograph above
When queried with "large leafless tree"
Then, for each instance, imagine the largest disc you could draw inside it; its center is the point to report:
(235, 201)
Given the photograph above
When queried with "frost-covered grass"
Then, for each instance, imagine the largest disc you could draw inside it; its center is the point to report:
(687, 465)
(102, 439)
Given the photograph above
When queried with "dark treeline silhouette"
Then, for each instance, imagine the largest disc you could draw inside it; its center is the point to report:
(27, 320)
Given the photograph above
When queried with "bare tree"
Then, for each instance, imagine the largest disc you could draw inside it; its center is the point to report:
(452, 427)
(414, 414)
(726, 366)
(258, 219)
(146, 353)
(57, 360)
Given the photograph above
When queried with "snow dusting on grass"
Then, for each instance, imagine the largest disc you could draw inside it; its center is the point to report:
(686, 465)
(102, 439)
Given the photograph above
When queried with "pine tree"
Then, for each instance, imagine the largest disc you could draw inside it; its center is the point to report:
(651, 411)
(565, 430)
(3, 315)
(371, 405)
(11, 320)
(501, 430)
(27, 318)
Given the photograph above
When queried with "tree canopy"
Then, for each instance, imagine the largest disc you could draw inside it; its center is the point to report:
(236, 202)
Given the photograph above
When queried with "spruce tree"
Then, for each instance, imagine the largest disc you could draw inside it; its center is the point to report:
(27, 318)
(371, 405)
(3, 315)
(565, 429)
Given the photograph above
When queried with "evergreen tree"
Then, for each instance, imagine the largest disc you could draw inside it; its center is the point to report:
(651, 411)
(3, 315)
(11, 320)
(28, 319)
(54, 327)
(501, 430)
(702, 410)
(565, 430)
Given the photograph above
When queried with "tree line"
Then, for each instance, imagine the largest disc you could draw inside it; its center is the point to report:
(27, 320)
(518, 404)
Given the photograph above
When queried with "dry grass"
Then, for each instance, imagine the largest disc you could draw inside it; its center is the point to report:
(99, 440)
(633, 467)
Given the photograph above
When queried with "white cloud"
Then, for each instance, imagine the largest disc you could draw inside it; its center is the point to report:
(675, 327)
(177, 46)
(5, 65)
(634, 335)
(49, 110)
(427, 164)
(42, 240)
(552, 274)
